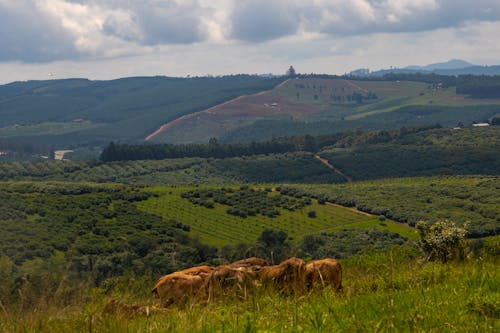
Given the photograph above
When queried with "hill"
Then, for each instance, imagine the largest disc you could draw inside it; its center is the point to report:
(453, 67)
(377, 155)
(79, 112)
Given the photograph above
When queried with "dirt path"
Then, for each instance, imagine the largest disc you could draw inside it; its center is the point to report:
(355, 210)
(168, 125)
(330, 166)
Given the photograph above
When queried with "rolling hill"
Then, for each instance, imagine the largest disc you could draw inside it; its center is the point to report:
(324, 106)
(81, 113)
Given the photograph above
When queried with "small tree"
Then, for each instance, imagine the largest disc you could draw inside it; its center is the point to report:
(291, 72)
(442, 241)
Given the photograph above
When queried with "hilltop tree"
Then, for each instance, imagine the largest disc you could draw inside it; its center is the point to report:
(291, 72)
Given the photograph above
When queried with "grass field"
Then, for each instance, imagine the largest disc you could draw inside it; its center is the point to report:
(394, 291)
(216, 227)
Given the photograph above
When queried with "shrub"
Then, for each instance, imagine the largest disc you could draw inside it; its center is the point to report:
(442, 241)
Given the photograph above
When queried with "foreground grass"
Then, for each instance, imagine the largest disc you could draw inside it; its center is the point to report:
(394, 291)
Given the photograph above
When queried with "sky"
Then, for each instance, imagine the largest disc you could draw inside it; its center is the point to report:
(106, 39)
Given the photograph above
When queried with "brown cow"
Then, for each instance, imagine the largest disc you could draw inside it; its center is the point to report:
(288, 277)
(225, 280)
(179, 288)
(202, 271)
(253, 262)
(323, 273)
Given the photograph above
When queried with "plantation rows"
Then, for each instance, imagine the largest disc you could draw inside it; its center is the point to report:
(292, 168)
(472, 201)
(214, 226)
(88, 171)
(245, 201)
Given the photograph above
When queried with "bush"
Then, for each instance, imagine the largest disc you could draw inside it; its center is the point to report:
(442, 241)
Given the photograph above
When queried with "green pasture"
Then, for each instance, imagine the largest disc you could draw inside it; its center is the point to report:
(393, 291)
(215, 227)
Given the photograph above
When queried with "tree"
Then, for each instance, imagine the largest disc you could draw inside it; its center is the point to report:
(291, 72)
(274, 244)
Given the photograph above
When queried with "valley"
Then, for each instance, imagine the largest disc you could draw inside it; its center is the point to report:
(125, 181)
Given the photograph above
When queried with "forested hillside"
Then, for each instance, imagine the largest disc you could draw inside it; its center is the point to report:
(79, 112)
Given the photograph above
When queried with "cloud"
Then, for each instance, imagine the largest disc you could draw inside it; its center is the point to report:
(156, 22)
(375, 16)
(27, 33)
(47, 30)
(260, 20)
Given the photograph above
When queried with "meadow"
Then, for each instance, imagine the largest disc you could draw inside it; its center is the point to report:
(393, 291)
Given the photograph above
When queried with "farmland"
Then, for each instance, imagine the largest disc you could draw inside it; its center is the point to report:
(79, 234)
(464, 200)
(215, 227)
(337, 104)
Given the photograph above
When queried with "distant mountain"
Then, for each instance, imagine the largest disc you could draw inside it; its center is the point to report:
(450, 64)
(451, 67)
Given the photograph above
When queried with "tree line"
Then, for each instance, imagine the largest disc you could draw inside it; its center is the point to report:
(123, 152)
(214, 149)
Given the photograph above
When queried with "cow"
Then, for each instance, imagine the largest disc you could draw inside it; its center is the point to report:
(323, 273)
(202, 271)
(288, 277)
(180, 288)
(253, 262)
(228, 279)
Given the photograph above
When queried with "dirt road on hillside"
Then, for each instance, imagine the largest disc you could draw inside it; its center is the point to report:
(330, 166)
(171, 123)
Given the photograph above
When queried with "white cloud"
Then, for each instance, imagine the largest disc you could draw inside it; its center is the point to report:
(103, 38)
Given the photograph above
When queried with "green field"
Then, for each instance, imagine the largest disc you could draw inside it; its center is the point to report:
(474, 201)
(216, 227)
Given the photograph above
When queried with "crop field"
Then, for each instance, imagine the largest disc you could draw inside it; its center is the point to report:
(344, 103)
(215, 227)
(473, 201)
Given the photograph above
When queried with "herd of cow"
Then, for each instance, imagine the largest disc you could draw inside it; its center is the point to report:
(202, 284)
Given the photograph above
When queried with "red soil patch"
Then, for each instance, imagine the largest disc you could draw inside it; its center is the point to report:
(258, 105)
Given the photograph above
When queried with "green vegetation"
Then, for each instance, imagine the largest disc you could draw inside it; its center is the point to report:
(97, 227)
(386, 154)
(472, 200)
(71, 241)
(215, 226)
(383, 291)
(442, 240)
(290, 168)
(79, 112)
(245, 201)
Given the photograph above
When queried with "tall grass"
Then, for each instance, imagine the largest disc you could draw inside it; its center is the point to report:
(383, 292)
